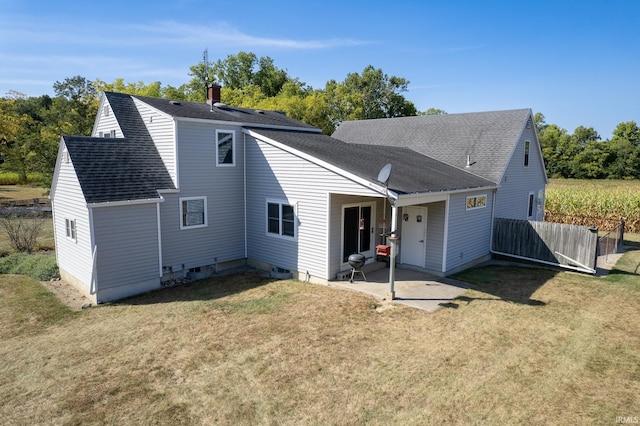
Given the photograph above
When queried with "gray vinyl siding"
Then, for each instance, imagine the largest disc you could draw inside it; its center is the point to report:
(107, 123)
(469, 235)
(75, 257)
(126, 239)
(275, 174)
(223, 239)
(435, 235)
(512, 199)
(161, 128)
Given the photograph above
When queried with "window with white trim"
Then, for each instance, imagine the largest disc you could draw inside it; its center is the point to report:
(532, 199)
(70, 225)
(476, 201)
(527, 145)
(281, 219)
(193, 212)
(225, 148)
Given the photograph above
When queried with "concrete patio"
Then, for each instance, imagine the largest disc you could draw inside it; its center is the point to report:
(413, 288)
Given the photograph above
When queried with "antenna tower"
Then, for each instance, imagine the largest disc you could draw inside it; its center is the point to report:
(205, 60)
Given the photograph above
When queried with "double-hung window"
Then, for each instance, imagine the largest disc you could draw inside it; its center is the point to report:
(193, 212)
(281, 219)
(70, 225)
(225, 148)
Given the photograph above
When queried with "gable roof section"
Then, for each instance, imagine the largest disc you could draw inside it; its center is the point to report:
(240, 116)
(412, 172)
(111, 170)
(121, 169)
(488, 138)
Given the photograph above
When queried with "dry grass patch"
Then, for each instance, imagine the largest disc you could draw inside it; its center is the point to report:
(21, 192)
(247, 350)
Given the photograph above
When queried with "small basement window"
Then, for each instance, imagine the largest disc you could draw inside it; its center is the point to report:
(193, 212)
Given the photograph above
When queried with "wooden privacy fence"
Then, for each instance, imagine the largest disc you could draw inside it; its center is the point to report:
(569, 246)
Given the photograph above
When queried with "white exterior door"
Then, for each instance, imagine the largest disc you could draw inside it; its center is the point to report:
(414, 236)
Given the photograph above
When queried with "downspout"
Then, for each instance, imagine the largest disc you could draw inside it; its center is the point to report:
(493, 218)
(160, 272)
(244, 176)
(94, 256)
(393, 239)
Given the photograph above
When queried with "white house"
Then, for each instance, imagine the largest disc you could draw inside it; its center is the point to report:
(167, 189)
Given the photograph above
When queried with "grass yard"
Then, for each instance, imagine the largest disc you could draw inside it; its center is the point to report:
(21, 192)
(527, 346)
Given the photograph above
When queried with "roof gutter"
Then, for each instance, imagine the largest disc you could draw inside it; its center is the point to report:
(125, 203)
(421, 197)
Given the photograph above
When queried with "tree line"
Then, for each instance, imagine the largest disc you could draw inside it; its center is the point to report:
(30, 127)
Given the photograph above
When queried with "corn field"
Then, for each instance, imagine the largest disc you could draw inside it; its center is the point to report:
(599, 203)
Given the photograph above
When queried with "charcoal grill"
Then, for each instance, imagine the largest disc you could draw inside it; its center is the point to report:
(356, 261)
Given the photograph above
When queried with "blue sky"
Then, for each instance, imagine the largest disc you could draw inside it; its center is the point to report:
(577, 62)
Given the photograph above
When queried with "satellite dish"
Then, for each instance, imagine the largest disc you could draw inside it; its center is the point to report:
(383, 175)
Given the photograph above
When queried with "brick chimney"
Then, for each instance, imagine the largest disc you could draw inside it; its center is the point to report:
(213, 93)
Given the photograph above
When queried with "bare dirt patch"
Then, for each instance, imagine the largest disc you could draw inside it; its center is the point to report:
(67, 294)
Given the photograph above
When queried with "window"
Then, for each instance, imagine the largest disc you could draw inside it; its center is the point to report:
(225, 143)
(532, 199)
(476, 202)
(109, 134)
(526, 153)
(281, 219)
(193, 212)
(70, 225)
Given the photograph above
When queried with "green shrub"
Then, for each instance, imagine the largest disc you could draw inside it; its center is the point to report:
(41, 267)
(9, 178)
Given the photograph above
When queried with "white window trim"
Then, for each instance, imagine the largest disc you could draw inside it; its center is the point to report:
(526, 159)
(206, 216)
(531, 205)
(280, 203)
(475, 207)
(71, 229)
(233, 148)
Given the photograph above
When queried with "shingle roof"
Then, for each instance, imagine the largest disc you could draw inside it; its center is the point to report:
(121, 169)
(412, 172)
(487, 137)
(116, 169)
(202, 110)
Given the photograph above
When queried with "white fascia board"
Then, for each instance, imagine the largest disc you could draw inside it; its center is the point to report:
(125, 203)
(337, 170)
(243, 124)
(56, 170)
(432, 197)
(103, 99)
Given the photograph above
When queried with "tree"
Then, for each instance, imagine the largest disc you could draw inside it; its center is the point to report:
(558, 149)
(584, 135)
(434, 111)
(378, 95)
(629, 131)
(539, 121)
